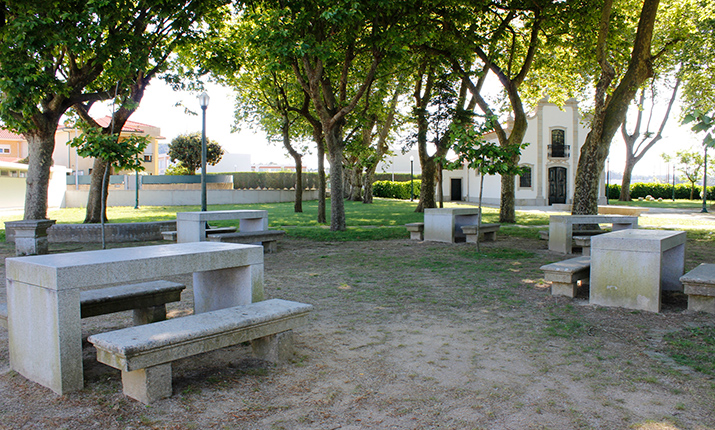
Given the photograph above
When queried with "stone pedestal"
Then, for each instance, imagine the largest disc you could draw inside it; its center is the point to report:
(31, 236)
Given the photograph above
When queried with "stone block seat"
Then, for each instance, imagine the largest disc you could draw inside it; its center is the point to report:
(699, 285)
(268, 238)
(565, 275)
(488, 232)
(147, 299)
(417, 230)
(144, 353)
(172, 235)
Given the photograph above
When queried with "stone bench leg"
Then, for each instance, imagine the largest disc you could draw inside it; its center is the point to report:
(490, 236)
(148, 385)
(567, 289)
(149, 315)
(276, 348)
(270, 246)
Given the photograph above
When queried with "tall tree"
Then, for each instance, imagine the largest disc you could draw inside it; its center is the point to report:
(58, 55)
(611, 103)
(505, 44)
(334, 49)
(637, 142)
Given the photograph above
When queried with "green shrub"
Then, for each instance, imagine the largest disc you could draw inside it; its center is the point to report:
(658, 190)
(395, 190)
(272, 180)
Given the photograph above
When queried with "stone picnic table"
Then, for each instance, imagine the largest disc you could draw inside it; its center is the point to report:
(630, 268)
(43, 296)
(561, 228)
(445, 224)
(191, 226)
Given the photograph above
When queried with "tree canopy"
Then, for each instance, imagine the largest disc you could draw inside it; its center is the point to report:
(186, 148)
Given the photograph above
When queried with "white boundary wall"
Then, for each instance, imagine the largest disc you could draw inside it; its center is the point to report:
(78, 198)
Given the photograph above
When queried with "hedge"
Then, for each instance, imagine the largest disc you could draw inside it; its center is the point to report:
(658, 190)
(272, 180)
(395, 190)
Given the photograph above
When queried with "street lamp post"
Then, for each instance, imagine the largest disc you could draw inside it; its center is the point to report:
(705, 182)
(204, 101)
(608, 177)
(412, 178)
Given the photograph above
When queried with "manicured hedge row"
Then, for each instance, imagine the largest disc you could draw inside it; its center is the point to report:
(665, 191)
(397, 177)
(272, 180)
(395, 190)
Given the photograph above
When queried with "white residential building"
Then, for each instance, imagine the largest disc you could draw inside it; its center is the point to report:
(555, 136)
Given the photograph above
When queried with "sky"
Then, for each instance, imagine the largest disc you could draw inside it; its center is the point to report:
(159, 108)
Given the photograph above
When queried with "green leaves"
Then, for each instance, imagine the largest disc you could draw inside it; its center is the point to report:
(187, 149)
(703, 123)
(120, 152)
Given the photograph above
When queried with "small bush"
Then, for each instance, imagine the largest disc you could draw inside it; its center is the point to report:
(658, 190)
(395, 190)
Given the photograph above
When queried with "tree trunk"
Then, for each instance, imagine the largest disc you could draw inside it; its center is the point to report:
(440, 185)
(298, 205)
(429, 173)
(356, 183)
(41, 145)
(626, 182)
(610, 112)
(367, 181)
(297, 158)
(322, 219)
(337, 203)
(94, 213)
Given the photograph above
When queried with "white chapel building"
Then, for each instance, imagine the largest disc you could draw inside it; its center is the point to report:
(555, 136)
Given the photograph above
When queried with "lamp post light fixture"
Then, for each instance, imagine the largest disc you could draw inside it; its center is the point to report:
(204, 102)
(412, 178)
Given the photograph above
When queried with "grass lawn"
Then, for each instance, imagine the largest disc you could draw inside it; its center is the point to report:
(379, 220)
(677, 204)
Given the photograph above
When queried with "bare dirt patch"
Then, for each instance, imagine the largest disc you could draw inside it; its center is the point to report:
(408, 335)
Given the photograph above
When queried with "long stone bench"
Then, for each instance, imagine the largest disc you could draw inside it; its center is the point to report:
(565, 275)
(417, 230)
(699, 285)
(147, 299)
(144, 353)
(269, 238)
(488, 232)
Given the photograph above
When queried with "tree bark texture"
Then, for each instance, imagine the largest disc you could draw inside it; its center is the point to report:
(298, 159)
(610, 112)
(94, 213)
(41, 145)
(337, 203)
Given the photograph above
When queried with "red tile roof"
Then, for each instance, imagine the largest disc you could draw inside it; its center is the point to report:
(7, 134)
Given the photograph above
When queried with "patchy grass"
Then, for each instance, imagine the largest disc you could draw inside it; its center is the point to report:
(677, 204)
(693, 347)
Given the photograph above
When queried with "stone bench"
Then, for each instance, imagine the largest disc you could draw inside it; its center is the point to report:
(488, 232)
(269, 238)
(172, 235)
(699, 285)
(583, 242)
(147, 299)
(417, 230)
(564, 275)
(144, 353)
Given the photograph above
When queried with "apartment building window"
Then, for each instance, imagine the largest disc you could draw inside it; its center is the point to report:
(4, 149)
(147, 158)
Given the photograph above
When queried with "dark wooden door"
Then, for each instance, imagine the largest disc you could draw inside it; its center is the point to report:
(557, 185)
(456, 189)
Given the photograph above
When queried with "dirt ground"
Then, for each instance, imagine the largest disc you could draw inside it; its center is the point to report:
(408, 335)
